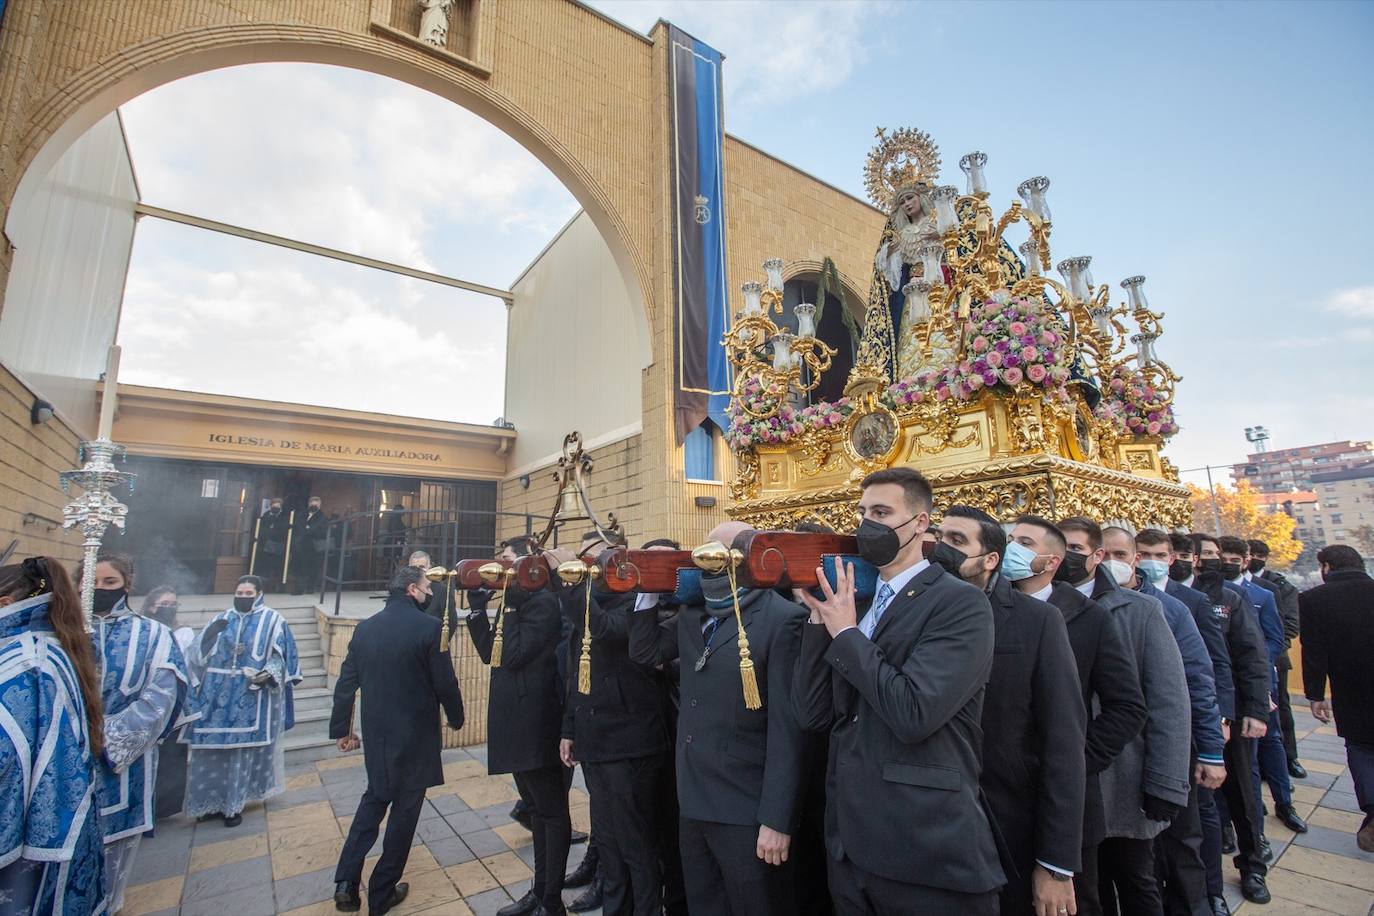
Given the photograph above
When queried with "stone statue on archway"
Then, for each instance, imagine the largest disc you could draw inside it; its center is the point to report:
(434, 21)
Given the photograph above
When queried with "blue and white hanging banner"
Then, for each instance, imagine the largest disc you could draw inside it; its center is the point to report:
(701, 301)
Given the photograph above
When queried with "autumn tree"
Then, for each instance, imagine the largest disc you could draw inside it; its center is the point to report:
(1364, 536)
(1240, 515)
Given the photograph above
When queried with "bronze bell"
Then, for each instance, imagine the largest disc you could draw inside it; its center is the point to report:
(570, 504)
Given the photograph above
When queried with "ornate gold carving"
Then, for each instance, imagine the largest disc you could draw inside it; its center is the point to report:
(903, 161)
(746, 482)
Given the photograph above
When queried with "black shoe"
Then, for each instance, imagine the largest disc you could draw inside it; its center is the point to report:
(522, 907)
(233, 820)
(585, 871)
(590, 899)
(398, 893)
(1220, 907)
(1228, 839)
(207, 817)
(1296, 770)
(577, 837)
(1289, 818)
(1253, 888)
(520, 813)
(346, 897)
(545, 911)
(1266, 852)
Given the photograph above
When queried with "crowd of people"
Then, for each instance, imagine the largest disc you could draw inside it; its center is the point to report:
(112, 721)
(1016, 716)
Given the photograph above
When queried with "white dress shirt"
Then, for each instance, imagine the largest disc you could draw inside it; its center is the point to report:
(896, 583)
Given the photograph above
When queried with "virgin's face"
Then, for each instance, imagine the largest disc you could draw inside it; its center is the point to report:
(911, 204)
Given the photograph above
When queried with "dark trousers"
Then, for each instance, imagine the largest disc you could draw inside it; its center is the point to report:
(725, 876)
(669, 839)
(624, 822)
(1085, 884)
(1211, 840)
(171, 778)
(1241, 804)
(1290, 735)
(1126, 877)
(856, 892)
(1360, 756)
(1178, 863)
(1272, 763)
(400, 830)
(546, 794)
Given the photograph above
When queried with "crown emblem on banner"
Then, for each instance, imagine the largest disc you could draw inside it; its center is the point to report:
(702, 211)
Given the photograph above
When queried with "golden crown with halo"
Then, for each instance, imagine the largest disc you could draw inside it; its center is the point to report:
(905, 160)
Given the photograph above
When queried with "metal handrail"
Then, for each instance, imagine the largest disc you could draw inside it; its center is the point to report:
(438, 533)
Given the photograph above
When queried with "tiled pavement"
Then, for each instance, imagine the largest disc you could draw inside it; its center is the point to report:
(468, 858)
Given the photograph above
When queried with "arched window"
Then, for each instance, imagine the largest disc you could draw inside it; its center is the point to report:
(831, 327)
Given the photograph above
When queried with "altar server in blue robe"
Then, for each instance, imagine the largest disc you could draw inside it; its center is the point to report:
(51, 851)
(247, 664)
(144, 683)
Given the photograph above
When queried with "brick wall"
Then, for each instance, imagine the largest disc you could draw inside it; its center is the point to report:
(30, 459)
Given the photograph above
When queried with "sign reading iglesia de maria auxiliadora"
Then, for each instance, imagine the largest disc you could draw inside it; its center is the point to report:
(326, 448)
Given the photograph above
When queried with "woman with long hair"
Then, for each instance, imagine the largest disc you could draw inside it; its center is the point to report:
(51, 848)
(144, 682)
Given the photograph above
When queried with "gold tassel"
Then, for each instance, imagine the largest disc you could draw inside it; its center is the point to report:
(748, 679)
(584, 665)
(443, 631)
(499, 639)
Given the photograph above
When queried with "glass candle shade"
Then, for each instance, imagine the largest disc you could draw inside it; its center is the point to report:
(806, 319)
(773, 268)
(1030, 253)
(1032, 192)
(972, 166)
(946, 219)
(752, 290)
(1145, 349)
(1102, 319)
(1135, 292)
(782, 351)
(932, 253)
(1075, 274)
(917, 294)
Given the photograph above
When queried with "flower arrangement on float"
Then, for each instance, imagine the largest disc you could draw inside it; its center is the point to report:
(1133, 407)
(1008, 343)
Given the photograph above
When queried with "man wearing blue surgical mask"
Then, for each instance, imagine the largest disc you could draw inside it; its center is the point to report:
(1033, 720)
(1178, 848)
(1107, 676)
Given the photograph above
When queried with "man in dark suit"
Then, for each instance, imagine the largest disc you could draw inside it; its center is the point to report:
(394, 658)
(271, 544)
(1338, 643)
(901, 691)
(1287, 595)
(1108, 677)
(738, 769)
(1238, 800)
(525, 707)
(616, 731)
(1034, 722)
(309, 544)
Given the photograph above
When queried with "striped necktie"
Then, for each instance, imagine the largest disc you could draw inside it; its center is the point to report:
(875, 613)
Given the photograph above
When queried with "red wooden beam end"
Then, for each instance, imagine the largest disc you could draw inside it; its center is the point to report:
(647, 570)
(787, 559)
(467, 572)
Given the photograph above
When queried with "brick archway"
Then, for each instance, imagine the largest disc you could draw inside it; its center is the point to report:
(590, 132)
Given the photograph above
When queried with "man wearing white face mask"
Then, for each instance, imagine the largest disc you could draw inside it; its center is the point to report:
(1147, 786)
(1178, 849)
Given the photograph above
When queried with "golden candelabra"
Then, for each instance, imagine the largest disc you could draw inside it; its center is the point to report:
(754, 333)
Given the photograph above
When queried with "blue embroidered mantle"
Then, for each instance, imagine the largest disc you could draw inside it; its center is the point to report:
(144, 683)
(48, 808)
(234, 713)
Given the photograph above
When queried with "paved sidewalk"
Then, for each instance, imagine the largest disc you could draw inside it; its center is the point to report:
(469, 858)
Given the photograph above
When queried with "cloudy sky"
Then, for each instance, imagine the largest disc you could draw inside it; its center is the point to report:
(1215, 147)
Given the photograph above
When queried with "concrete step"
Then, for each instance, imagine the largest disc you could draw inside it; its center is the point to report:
(314, 678)
(302, 747)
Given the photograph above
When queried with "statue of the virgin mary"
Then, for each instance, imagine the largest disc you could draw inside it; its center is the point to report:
(899, 175)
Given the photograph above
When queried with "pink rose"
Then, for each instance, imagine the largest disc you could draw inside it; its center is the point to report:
(1017, 328)
(1030, 354)
(1036, 374)
(980, 344)
(975, 382)
(942, 393)
(1048, 338)
(994, 359)
(1118, 385)
(1012, 376)
(1153, 429)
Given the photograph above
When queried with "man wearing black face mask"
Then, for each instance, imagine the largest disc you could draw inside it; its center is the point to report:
(394, 658)
(1286, 593)
(1034, 723)
(271, 546)
(738, 768)
(900, 688)
(1250, 667)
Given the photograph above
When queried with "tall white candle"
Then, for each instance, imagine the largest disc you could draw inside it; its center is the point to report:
(107, 396)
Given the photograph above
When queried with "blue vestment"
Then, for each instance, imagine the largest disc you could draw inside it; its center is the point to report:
(235, 743)
(51, 848)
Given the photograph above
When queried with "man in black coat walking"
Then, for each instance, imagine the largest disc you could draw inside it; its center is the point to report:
(1107, 675)
(394, 658)
(1286, 594)
(1338, 643)
(1034, 722)
(901, 690)
(310, 543)
(525, 709)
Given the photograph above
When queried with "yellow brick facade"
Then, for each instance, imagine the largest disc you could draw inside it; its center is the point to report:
(586, 96)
